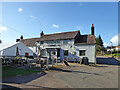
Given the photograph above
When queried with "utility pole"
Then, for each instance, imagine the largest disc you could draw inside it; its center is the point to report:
(117, 51)
(111, 49)
(56, 56)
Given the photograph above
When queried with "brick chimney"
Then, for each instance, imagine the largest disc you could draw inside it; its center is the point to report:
(41, 34)
(21, 37)
(17, 40)
(92, 30)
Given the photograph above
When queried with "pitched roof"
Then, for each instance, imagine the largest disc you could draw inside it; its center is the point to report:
(85, 39)
(59, 36)
(117, 46)
(7, 45)
(30, 41)
(81, 39)
(109, 47)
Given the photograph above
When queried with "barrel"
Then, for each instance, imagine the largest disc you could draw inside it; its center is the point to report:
(85, 60)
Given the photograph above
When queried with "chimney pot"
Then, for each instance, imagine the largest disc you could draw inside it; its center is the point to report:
(92, 25)
(21, 37)
(41, 34)
(92, 30)
(17, 40)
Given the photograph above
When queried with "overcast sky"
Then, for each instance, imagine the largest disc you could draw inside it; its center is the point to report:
(29, 19)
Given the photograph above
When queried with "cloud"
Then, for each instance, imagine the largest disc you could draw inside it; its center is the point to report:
(3, 28)
(78, 27)
(57, 32)
(106, 44)
(114, 39)
(55, 25)
(20, 10)
(32, 16)
(81, 27)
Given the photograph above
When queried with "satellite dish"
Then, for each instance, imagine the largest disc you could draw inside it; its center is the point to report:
(0, 41)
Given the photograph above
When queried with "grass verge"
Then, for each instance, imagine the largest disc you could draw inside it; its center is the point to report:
(8, 71)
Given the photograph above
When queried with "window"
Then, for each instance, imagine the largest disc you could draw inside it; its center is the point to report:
(58, 52)
(54, 53)
(17, 51)
(43, 52)
(65, 42)
(74, 53)
(57, 42)
(65, 52)
(82, 52)
(53, 42)
(42, 42)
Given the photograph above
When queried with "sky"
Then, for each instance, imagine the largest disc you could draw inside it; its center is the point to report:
(30, 18)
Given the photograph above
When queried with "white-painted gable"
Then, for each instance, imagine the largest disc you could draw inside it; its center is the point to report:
(9, 49)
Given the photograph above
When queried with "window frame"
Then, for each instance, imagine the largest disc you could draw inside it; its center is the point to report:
(65, 41)
(65, 54)
(43, 52)
(81, 53)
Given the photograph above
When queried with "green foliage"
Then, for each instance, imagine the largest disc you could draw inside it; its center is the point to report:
(1, 59)
(98, 48)
(25, 57)
(29, 57)
(99, 41)
(18, 57)
(99, 44)
(115, 55)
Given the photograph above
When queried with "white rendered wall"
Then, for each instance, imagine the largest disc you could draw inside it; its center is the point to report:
(11, 51)
(90, 50)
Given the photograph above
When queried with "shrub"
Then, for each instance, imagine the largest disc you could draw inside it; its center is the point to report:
(18, 57)
(29, 57)
(1, 59)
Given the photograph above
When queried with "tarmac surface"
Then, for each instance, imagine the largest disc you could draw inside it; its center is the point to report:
(75, 76)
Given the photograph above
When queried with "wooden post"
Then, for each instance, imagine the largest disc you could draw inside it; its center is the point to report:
(117, 54)
(80, 60)
(74, 60)
(47, 64)
(52, 58)
(56, 57)
(95, 61)
(63, 60)
(47, 67)
(52, 62)
(56, 61)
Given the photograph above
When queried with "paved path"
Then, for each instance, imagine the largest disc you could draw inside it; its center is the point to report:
(107, 60)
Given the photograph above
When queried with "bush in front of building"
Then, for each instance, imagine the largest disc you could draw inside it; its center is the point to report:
(31, 57)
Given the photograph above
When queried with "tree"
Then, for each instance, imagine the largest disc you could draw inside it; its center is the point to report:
(99, 44)
(99, 41)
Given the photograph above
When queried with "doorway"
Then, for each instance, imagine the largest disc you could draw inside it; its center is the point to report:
(58, 52)
(50, 52)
